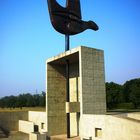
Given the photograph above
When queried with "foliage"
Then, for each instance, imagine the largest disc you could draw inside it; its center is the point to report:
(23, 100)
(134, 95)
(118, 96)
(113, 94)
(122, 94)
(125, 106)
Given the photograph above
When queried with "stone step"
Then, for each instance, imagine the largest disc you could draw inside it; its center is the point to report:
(2, 135)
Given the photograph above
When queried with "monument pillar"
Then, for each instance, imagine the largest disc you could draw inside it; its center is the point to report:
(87, 89)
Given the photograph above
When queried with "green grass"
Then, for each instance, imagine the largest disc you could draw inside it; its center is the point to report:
(125, 106)
(23, 109)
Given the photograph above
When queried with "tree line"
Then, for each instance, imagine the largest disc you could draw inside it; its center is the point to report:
(129, 92)
(23, 100)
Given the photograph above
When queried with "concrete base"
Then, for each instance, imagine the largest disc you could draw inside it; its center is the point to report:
(63, 137)
(37, 136)
(17, 136)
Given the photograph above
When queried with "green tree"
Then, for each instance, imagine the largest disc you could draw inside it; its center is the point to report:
(131, 91)
(42, 101)
(29, 100)
(134, 95)
(113, 94)
(11, 101)
(23, 100)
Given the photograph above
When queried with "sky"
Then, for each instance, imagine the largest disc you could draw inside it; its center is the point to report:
(27, 40)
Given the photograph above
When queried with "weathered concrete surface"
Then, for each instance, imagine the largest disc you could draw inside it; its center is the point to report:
(56, 95)
(17, 136)
(37, 136)
(2, 134)
(72, 107)
(63, 137)
(26, 126)
(92, 83)
(87, 86)
(9, 120)
(134, 115)
(112, 127)
(39, 119)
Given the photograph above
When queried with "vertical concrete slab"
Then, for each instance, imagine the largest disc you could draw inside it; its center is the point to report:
(26, 126)
(74, 97)
(92, 81)
(56, 96)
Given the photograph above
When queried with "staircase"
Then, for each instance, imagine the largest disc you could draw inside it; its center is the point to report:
(2, 134)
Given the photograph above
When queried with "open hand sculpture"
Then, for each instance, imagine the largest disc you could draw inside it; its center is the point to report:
(67, 20)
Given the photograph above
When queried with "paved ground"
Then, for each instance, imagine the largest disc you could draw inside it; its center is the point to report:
(22, 136)
(17, 136)
(63, 137)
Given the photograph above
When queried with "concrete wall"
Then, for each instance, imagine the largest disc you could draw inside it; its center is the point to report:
(9, 120)
(110, 127)
(39, 119)
(74, 97)
(92, 76)
(26, 126)
(55, 100)
(35, 136)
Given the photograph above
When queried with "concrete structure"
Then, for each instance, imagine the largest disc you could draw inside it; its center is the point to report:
(37, 136)
(87, 89)
(87, 106)
(9, 120)
(32, 123)
(110, 127)
(39, 119)
(116, 126)
(35, 126)
(26, 126)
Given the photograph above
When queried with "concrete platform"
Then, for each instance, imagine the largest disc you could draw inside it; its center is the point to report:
(17, 136)
(63, 137)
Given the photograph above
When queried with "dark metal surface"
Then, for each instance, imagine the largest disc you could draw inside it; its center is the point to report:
(67, 42)
(67, 97)
(67, 20)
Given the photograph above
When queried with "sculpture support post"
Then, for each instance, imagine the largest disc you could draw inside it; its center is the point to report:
(67, 42)
(67, 84)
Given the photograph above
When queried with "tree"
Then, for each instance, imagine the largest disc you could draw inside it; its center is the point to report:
(131, 91)
(42, 101)
(134, 95)
(113, 94)
(11, 101)
(29, 100)
(23, 100)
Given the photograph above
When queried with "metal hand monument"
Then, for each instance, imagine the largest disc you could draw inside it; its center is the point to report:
(68, 21)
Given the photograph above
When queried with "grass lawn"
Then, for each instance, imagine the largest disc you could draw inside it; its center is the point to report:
(23, 109)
